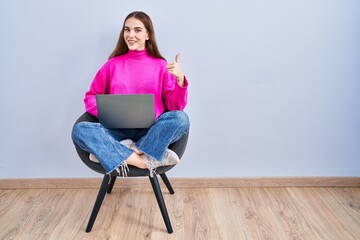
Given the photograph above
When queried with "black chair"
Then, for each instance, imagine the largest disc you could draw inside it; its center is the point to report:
(109, 179)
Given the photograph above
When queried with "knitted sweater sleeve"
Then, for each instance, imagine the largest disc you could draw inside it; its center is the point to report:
(174, 96)
(98, 86)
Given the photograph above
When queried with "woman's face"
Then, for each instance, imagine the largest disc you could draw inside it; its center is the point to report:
(135, 34)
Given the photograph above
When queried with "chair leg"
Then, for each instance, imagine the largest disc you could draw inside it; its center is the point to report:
(98, 202)
(167, 183)
(159, 197)
(111, 185)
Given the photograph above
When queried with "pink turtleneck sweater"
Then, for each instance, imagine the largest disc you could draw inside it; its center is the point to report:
(136, 72)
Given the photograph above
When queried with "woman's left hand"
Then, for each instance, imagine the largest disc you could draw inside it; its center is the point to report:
(174, 68)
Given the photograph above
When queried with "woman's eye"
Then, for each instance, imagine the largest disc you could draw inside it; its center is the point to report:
(137, 30)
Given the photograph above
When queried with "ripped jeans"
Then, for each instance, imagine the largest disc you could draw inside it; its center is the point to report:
(105, 143)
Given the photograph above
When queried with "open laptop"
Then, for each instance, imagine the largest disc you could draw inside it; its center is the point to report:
(126, 110)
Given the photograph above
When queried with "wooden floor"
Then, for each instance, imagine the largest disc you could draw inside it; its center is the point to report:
(196, 213)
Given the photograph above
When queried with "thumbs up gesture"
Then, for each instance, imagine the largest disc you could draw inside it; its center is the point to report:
(174, 68)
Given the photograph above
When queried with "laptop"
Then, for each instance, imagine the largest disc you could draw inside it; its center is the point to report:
(126, 110)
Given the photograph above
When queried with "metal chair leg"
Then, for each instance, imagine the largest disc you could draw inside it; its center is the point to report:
(111, 185)
(98, 202)
(167, 183)
(159, 197)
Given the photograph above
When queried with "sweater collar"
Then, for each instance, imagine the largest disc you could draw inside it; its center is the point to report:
(137, 54)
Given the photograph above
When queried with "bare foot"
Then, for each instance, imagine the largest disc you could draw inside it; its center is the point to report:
(138, 152)
(137, 161)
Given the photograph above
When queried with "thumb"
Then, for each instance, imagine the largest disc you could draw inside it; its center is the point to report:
(177, 58)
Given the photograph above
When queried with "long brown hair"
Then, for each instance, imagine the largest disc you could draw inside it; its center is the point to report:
(151, 45)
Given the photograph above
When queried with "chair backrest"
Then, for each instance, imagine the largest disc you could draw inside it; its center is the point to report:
(178, 147)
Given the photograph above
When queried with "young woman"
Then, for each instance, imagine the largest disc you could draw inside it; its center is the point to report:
(136, 67)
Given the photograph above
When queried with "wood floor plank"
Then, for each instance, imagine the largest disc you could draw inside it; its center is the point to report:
(349, 199)
(200, 222)
(289, 214)
(71, 213)
(321, 218)
(18, 219)
(345, 214)
(261, 222)
(228, 213)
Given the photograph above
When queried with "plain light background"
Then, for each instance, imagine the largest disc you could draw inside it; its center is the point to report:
(274, 85)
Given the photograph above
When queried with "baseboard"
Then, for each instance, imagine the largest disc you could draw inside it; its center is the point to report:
(141, 182)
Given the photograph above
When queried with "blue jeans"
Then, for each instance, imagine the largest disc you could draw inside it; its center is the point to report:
(105, 143)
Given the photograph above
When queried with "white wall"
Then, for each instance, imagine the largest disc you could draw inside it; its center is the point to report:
(274, 85)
